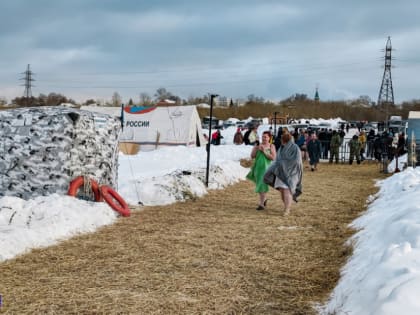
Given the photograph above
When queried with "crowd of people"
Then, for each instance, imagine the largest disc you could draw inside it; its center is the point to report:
(279, 159)
(308, 145)
(329, 144)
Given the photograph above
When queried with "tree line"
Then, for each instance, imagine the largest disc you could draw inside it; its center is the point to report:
(295, 106)
(307, 108)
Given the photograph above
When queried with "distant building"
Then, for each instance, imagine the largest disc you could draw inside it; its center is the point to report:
(240, 102)
(316, 98)
(223, 101)
(166, 103)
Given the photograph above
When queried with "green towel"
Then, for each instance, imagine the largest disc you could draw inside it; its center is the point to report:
(256, 174)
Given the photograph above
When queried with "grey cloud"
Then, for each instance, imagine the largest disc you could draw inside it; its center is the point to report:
(267, 48)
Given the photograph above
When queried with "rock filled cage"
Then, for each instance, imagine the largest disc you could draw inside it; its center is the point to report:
(43, 148)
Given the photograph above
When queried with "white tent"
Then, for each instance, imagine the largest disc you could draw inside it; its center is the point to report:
(155, 126)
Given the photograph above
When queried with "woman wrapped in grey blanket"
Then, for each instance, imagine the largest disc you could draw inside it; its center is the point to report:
(288, 171)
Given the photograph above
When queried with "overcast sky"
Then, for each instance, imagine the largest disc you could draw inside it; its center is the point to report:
(92, 48)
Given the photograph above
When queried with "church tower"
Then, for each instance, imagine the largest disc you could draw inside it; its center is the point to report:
(316, 98)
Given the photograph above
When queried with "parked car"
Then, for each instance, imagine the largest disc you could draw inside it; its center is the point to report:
(371, 126)
(289, 127)
(353, 123)
(215, 123)
(240, 124)
(315, 128)
(300, 126)
(397, 126)
(227, 124)
(253, 123)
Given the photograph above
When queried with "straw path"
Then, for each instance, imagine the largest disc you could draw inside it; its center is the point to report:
(214, 255)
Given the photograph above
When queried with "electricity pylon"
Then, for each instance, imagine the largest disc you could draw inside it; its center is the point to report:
(27, 94)
(386, 93)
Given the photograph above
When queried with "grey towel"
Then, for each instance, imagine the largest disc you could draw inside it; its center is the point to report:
(288, 167)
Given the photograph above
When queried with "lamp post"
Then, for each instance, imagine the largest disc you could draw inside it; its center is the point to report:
(212, 96)
(275, 123)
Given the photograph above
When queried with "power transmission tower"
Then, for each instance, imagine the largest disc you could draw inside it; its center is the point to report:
(27, 94)
(386, 93)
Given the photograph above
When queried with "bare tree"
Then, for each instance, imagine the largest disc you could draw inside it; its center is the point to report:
(162, 94)
(255, 99)
(198, 100)
(116, 99)
(3, 101)
(145, 99)
(55, 99)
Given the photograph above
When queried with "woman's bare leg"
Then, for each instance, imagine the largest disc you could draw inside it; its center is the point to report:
(281, 194)
(262, 199)
(287, 199)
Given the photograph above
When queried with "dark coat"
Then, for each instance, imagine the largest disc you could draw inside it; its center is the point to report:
(314, 150)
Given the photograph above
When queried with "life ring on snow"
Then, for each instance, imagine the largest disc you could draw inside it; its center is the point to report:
(110, 195)
(78, 182)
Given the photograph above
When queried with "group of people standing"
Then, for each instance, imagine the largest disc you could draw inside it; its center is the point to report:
(380, 146)
(216, 137)
(324, 144)
(250, 137)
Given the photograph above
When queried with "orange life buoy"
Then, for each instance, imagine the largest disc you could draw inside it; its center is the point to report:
(78, 182)
(110, 195)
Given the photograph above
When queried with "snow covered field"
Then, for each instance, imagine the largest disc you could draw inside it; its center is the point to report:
(382, 276)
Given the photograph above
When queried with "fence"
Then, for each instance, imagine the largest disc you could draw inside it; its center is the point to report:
(370, 153)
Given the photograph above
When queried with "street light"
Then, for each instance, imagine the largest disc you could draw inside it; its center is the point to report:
(275, 123)
(212, 96)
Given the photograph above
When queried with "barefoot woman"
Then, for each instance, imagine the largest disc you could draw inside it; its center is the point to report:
(263, 154)
(288, 171)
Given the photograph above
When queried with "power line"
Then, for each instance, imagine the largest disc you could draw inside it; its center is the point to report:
(300, 70)
(284, 65)
(164, 81)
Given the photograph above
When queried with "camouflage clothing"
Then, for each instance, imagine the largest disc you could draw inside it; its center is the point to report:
(335, 146)
(354, 146)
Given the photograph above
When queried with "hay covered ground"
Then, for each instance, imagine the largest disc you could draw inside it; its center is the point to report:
(213, 255)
